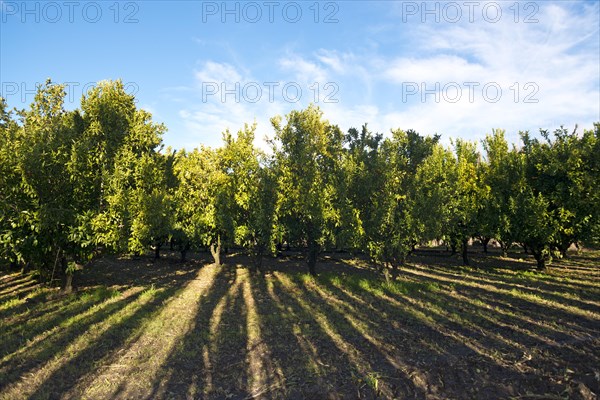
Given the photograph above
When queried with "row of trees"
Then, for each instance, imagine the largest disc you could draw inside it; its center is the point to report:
(76, 183)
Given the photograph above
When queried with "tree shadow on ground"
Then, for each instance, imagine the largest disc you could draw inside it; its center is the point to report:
(51, 355)
(190, 369)
(428, 332)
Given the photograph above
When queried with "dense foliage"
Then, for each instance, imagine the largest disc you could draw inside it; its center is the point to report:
(74, 184)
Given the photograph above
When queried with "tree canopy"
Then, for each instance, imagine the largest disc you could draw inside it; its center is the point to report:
(75, 184)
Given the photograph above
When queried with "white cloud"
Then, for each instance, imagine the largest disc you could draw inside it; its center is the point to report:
(443, 69)
(558, 55)
(554, 61)
(302, 70)
(218, 72)
(235, 103)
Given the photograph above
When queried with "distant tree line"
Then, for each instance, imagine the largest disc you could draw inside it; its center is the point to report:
(75, 184)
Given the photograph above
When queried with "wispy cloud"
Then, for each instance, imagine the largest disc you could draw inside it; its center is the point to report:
(547, 73)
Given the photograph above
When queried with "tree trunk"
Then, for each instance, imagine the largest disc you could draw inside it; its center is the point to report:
(564, 248)
(25, 267)
(215, 251)
(184, 251)
(504, 246)
(541, 263)
(157, 251)
(67, 286)
(453, 248)
(465, 255)
(313, 252)
(539, 258)
(258, 258)
(485, 242)
(67, 282)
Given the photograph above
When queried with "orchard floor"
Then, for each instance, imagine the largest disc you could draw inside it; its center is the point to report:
(143, 330)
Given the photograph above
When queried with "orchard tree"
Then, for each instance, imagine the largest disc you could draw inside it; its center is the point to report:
(308, 151)
(410, 149)
(132, 201)
(252, 193)
(433, 196)
(191, 197)
(500, 177)
(537, 227)
(150, 205)
(46, 162)
(203, 199)
(394, 231)
(108, 117)
(590, 146)
(466, 193)
(565, 175)
(362, 180)
(15, 203)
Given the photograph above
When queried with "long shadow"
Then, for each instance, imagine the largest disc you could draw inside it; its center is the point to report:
(44, 350)
(549, 345)
(362, 306)
(488, 267)
(579, 262)
(290, 351)
(114, 271)
(21, 332)
(530, 333)
(514, 283)
(38, 307)
(34, 316)
(451, 352)
(364, 356)
(28, 301)
(525, 314)
(350, 304)
(508, 300)
(162, 375)
(20, 291)
(229, 351)
(184, 370)
(438, 321)
(446, 260)
(110, 341)
(6, 275)
(14, 281)
(332, 370)
(530, 311)
(506, 327)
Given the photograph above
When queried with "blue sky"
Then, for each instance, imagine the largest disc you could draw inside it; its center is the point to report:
(454, 68)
